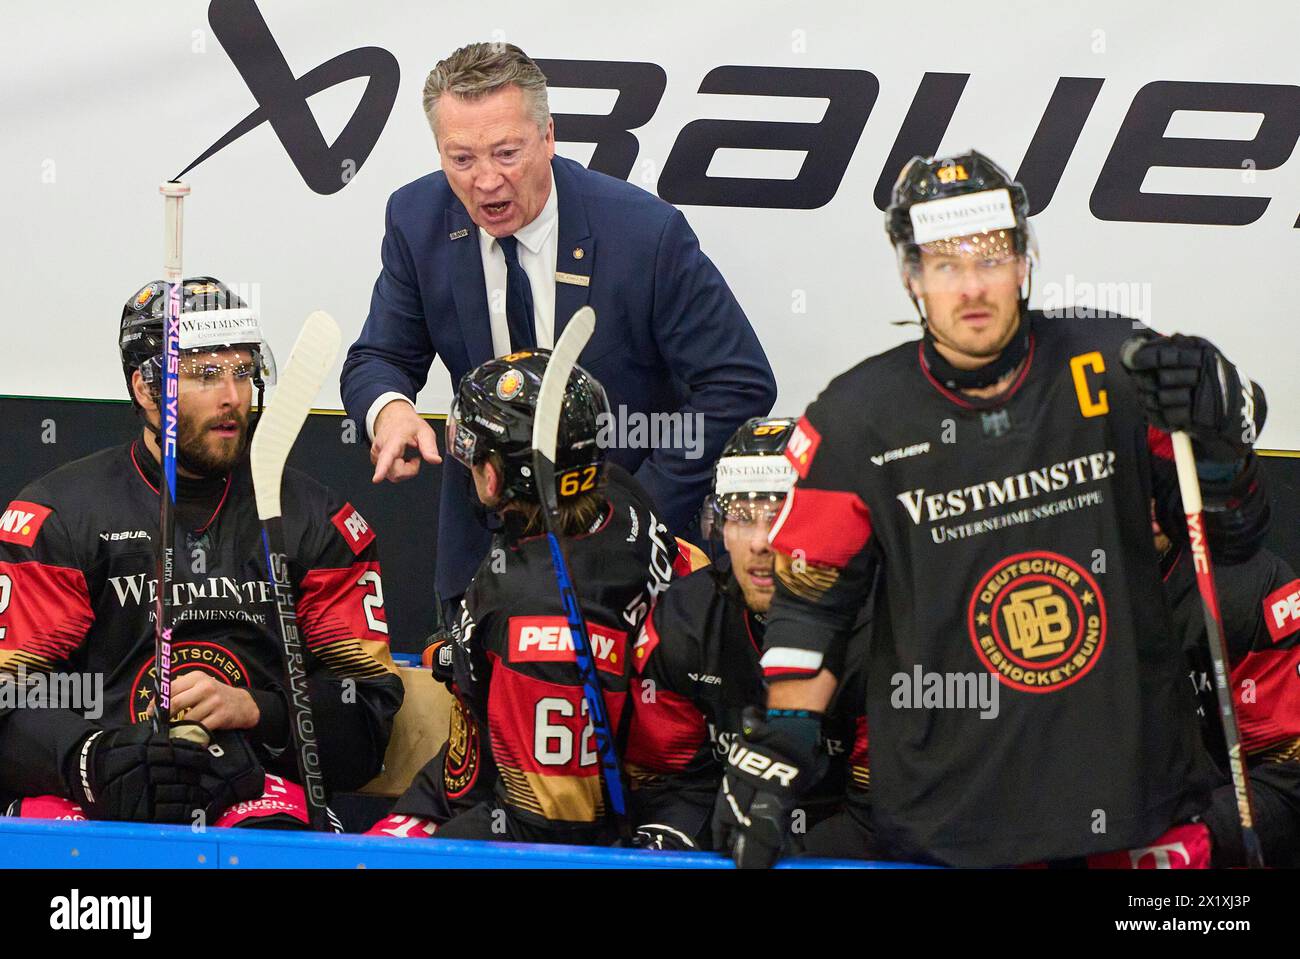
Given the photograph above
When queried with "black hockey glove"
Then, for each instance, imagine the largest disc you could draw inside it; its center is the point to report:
(438, 654)
(232, 773)
(660, 837)
(134, 774)
(767, 773)
(1186, 384)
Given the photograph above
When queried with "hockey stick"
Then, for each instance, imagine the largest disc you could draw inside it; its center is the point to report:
(174, 192)
(277, 429)
(1190, 486)
(546, 425)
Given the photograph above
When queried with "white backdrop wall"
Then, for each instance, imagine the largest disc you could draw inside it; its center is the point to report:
(103, 101)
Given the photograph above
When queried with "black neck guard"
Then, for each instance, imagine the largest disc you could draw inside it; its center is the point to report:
(955, 379)
(200, 489)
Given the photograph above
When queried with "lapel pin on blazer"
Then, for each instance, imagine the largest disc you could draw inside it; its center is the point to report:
(578, 253)
(457, 235)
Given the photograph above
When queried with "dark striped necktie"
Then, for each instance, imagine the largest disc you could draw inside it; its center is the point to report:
(519, 298)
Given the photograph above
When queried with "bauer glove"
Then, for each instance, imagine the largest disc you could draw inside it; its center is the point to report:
(134, 774)
(767, 773)
(232, 773)
(1185, 383)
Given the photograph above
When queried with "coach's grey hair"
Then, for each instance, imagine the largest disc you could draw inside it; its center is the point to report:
(476, 70)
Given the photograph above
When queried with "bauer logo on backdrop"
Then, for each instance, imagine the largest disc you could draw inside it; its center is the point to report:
(1137, 145)
(282, 97)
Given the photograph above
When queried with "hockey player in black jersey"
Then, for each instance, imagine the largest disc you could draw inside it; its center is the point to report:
(521, 762)
(697, 659)
(997, 474)
(77, 585)
(1259, 601)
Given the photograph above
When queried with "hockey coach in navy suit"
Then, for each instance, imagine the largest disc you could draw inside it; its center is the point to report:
(496, 251)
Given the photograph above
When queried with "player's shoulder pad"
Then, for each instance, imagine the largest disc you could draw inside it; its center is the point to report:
(486, 593)
(74, 492)
(672, 635)
(1082, 329)
(22, 519)
(632, 508)
(835, 427)
(622, 487)
(853, 399)
(1281, 611)
(307, 497)
(875, 376)
(1276, 588)
(690, 558)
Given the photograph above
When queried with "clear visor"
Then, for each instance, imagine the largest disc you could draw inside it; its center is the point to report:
(742, 510)
(975, 260)
(208, 368)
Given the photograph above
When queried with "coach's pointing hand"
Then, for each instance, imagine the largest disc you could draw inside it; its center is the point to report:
(399, 428)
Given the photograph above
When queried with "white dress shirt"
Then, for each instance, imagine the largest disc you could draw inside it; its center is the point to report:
(539, 243)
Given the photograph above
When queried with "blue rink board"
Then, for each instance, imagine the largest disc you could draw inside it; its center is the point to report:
(48, 844)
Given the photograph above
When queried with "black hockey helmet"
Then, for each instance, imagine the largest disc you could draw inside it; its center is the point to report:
(492, 412)
(213, 317)
(926, 179)
(751, 469)
(964, 203)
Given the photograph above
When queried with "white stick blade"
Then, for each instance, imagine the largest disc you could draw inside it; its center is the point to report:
(297, 385)
(550, 399)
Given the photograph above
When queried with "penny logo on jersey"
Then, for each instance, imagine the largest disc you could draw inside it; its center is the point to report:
(1037, 621)
(546, 639)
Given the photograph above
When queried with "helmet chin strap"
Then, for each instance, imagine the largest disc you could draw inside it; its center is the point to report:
(255, 417)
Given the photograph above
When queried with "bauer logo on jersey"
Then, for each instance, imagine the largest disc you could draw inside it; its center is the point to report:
(1282, 611)
(802, 446)
(546, 639)
(902, 452)
(20, 523)
(354, 529)
(1037, 621)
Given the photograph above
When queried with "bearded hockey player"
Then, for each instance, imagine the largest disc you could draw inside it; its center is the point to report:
(697, 659)
(1259, 601)
(998, 475)
(520, 762)
(77, 567)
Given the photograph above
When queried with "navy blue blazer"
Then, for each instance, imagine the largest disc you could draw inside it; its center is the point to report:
(670, 335)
